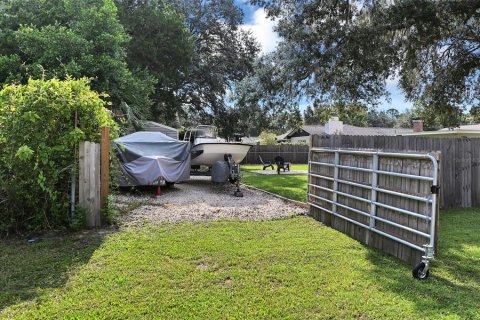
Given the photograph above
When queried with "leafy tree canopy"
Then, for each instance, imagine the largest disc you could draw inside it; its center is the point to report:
(223, 54)
(268, 138)
(353, 114)
(346, 50)
(46, 39)
(162, 45)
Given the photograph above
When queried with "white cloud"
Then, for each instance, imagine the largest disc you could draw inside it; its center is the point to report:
(262, 29)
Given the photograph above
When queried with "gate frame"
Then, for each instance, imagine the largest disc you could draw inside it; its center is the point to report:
(421, 271)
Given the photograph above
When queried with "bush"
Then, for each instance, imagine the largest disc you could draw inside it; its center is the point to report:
(38, 143)
(268, 138)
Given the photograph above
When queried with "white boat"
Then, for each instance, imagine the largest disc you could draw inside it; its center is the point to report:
(208, 148)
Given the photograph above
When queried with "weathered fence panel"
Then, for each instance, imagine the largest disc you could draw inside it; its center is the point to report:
(291, 153)
(89, 182)
(460, 161)
(384, 200)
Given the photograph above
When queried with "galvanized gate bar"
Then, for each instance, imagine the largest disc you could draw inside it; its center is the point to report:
(411, 245)
(430, 200)
(395, 174)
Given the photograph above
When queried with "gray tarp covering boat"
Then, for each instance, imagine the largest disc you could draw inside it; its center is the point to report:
(147, 156)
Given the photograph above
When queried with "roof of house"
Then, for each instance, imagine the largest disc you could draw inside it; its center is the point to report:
(472, 127)
(155, 125)
(471, 130)
(284, 136)
(352, 131)
(250, 139)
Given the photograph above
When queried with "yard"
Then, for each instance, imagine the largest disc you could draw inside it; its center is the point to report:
(289, 186)
(293, 267)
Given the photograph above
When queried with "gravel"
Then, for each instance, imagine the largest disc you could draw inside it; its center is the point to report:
(199, 200)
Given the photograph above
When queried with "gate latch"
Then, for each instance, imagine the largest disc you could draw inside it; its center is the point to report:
(435, 189)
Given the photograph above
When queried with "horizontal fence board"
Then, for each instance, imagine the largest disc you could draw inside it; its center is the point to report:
(460, 161)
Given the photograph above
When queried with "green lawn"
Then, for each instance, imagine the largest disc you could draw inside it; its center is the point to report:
(289, 186)
(260, 167)
(293, 268)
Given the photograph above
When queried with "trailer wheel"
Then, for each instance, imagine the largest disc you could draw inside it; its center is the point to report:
(418, 272)
(169, 184)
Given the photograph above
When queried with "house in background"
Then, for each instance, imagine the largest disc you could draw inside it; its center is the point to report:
(464, 131)
(251, 140)
(336, 127)
(157, 127)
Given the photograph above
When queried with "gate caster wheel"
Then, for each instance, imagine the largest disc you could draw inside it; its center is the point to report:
(418, 272)
(238, 194)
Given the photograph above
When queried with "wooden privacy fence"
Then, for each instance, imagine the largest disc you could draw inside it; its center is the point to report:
(291, 153)
(460, 161)
(384, 200)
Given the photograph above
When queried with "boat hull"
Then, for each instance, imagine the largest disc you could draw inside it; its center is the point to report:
(207, 154)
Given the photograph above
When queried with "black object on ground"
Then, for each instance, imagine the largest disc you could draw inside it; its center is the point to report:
(281, 164)
(266, 165)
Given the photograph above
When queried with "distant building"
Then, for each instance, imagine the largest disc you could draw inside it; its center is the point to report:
(336, 127)
(251, 140)
(464, 131)
(157, 127)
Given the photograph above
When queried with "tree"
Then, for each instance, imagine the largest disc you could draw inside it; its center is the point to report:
(162, 45)
(223, 54)
(404, 120)
(295, 118)
(309, 116)
(353, 114)
(384, 119)
(346, 50)
(268, 138)
(61, 38)
(254, 95)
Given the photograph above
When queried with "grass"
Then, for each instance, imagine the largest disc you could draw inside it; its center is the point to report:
(283, 269)
(250, 167)
(289, 186)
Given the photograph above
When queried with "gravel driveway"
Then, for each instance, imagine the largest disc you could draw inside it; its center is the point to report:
(199, 200)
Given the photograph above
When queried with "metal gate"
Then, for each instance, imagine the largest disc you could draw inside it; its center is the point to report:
(387, 196)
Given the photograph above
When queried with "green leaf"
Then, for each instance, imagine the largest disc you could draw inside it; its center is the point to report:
(24, 153)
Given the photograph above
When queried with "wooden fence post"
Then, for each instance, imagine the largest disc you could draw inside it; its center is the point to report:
(89, 182)
(104, 166)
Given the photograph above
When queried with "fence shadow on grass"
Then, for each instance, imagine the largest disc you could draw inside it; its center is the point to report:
(27, 270)
(453, 287)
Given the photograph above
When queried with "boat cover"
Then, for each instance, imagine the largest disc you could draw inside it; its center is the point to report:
(146, 157)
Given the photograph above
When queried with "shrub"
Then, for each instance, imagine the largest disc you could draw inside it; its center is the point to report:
(268, 138)
(38, 143)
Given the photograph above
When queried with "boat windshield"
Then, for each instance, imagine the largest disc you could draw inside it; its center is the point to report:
(206, 132)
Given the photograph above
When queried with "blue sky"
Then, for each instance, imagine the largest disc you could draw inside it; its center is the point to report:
(262, 29)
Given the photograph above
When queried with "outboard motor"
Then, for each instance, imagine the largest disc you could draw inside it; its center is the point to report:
(220, 172)
(228, 170)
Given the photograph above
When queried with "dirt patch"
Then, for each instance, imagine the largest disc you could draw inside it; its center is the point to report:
(199, 200)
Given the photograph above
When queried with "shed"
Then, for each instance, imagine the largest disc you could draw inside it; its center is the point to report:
(157, 127)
